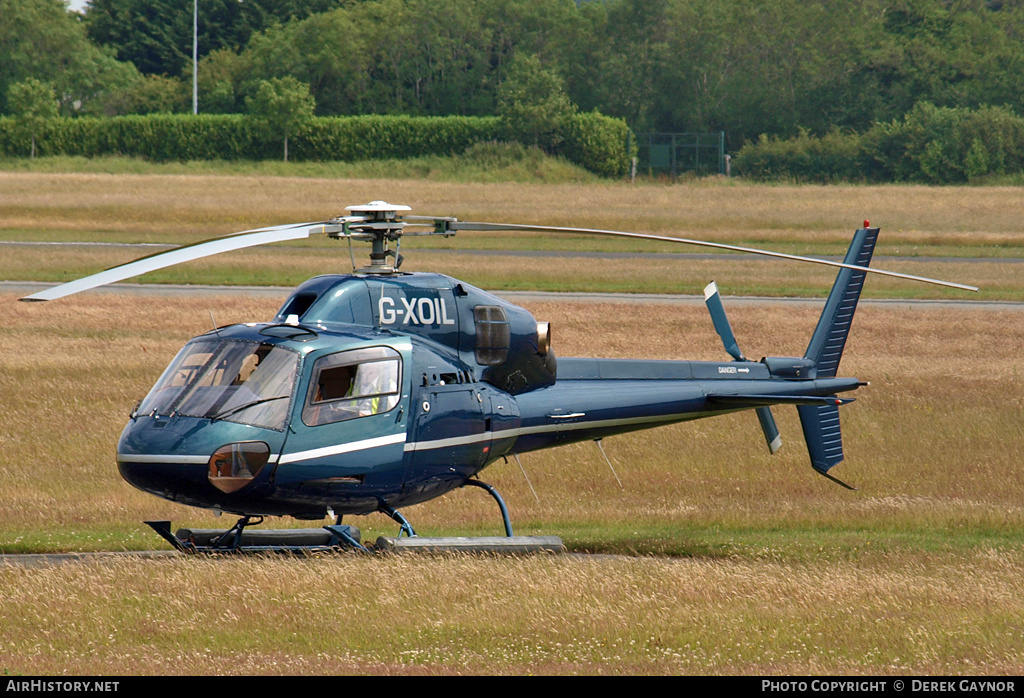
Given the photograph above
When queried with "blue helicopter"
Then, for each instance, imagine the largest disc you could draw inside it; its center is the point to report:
(379, 389)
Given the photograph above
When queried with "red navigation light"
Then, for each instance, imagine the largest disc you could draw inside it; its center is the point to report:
(867, 223)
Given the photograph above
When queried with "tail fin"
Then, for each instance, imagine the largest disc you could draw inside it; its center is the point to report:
(829, 338)
(824, 438)
(820, 423)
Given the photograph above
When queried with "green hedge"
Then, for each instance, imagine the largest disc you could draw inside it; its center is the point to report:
(597, 143)
(160, 138)
(593, 141)
(936, 145)
(371, 137)
(947, 145)
(834, 157)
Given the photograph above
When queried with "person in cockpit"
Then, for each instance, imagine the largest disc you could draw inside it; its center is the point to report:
(373, 381)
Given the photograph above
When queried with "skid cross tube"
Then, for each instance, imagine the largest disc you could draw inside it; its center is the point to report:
(497, 497)
(163, 528)
(406, 527)
(343, 535)
(232, 538)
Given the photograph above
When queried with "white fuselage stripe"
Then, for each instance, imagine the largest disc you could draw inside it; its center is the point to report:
(147, 458)
(398, 438)
(343, 448)
(455, 441)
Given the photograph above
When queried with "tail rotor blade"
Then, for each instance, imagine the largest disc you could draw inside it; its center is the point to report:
(764, 414)
(771, 431)
(721, 321)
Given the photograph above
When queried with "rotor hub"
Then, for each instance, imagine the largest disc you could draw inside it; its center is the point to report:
(380, 223)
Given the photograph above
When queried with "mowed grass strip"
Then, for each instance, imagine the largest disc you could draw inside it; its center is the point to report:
(972, 222)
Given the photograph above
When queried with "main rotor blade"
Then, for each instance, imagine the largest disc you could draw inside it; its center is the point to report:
(721, 321)
(188, 253)
(469, 225)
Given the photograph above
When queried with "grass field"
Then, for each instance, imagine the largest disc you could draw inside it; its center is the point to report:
(740, 563)
(921, 225)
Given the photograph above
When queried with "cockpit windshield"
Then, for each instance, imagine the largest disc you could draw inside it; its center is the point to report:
(237, 381)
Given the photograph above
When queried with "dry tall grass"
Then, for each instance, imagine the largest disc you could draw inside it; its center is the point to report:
(506, 616)
(195, 206)
(774, 569)
(918, 572)
(289, 266)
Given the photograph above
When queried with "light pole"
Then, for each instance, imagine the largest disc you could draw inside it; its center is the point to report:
(195, 54)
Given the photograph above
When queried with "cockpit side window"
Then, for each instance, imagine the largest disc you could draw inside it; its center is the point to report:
(352, 384)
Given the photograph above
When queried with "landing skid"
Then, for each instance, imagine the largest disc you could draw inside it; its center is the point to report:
(505, 545)
(508, 544)
(341, 537)
(237, 540)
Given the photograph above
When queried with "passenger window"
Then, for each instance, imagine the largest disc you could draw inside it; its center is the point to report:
(353, 384)
(492, 335)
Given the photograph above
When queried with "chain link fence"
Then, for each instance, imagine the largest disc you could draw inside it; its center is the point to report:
(677, 153)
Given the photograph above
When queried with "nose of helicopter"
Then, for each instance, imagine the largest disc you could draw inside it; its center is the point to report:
(192, 461)
(181, 479)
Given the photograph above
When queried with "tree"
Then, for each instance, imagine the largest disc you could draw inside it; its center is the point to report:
(32, 102)
(284, 104)
(40, 39)
(957, 54)
(156, 35)
(151, 94)
(533, 101)
(328, 52)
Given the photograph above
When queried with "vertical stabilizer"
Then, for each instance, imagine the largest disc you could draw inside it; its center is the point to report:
(829, 339)
(821, 430)
(820, 423)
